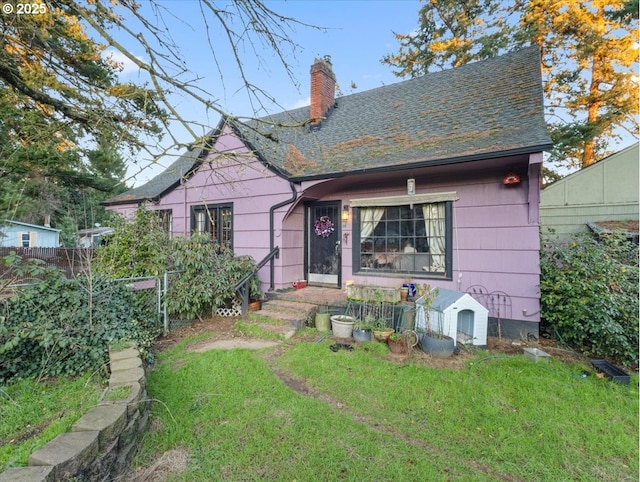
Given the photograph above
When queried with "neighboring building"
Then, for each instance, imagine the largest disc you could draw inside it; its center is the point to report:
(603, 195)
(15, 234)
(91, 238)
(435, 179)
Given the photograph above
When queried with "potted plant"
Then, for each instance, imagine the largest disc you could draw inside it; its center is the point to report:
(435, 342)
(255, 294)
(397, 343)
(430, 324)
(381, 332)
(342, 325)
(404, 293)
(402, 342)
(323, 320)
(362, 331)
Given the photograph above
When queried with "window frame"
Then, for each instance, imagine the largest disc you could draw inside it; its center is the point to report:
(402, 201)
(166, 221)
(213, 211)
(25, 236)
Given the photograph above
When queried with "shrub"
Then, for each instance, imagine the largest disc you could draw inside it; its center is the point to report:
(137, 247)
(589, 294)
(207, 272)
(207, 278)
(64, 327)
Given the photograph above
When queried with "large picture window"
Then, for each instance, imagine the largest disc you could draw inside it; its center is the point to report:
(403, 238)
(214, 220)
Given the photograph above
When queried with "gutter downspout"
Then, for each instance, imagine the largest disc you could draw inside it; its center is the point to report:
(272, 241)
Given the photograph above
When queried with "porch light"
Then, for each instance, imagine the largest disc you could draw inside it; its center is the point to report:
(411, 187)
(345, 215)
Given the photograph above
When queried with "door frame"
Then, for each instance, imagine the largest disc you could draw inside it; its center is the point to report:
(308, 233)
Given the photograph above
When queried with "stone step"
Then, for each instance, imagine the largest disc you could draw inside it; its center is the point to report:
(294, 319)
(295, 313)
(295, 306)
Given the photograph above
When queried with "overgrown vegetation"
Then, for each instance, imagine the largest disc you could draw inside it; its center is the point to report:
(206, 272)
(589, 294)
(207, 276)
(352, 415)
(136, 247)
(63, 327)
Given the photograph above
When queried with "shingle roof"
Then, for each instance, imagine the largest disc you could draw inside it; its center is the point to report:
(164, 181)
(483, 109)
(480, 110)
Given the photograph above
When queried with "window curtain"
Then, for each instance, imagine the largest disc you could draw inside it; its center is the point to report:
(369, 219)
(434, 223)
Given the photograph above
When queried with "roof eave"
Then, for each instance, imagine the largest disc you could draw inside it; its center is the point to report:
(194, 167)
(429, 163)
(256, 152)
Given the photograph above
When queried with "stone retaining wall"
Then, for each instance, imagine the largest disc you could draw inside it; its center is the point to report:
(103, 441)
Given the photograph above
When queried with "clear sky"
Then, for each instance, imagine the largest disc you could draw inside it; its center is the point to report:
(358, 34)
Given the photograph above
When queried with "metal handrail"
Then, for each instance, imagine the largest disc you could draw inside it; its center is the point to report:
(242, 286)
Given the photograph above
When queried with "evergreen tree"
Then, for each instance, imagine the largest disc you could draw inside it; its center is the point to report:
(589, 52)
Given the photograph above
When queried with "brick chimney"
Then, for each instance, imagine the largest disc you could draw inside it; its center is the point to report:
(323, 89)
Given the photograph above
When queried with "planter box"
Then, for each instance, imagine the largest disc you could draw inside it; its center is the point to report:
(370, 293)
(611, 371)
(536, 354)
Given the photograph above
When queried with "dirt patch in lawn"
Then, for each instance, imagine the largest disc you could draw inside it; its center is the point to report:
(223, 335)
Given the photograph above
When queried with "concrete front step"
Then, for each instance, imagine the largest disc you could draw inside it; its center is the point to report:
(293, 306)
(295, 313)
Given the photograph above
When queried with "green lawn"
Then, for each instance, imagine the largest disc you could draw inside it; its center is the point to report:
(33, 413)
(358, 416)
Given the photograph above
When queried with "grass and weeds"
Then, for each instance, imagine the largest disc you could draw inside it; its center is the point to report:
(33, 413)
(307, 413)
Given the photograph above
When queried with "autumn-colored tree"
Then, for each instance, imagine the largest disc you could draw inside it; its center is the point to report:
(59, 98)
(67, 118)
(589, 52)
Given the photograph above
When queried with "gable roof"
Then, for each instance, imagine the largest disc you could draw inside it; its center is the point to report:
(485, 109)
(165, 181)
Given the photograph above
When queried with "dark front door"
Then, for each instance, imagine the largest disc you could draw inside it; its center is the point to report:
(323, 258)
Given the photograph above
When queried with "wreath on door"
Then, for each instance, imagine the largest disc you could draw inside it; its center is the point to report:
(324, 227)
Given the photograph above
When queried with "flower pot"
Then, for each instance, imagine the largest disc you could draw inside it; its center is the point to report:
(438, 346)
(255, 305)
(383, 335)
(404, 293)
(342, 325)
(361, 335)
(323, 321)
(397, 346)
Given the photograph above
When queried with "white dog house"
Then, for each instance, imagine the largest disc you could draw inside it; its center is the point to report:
(463, 318)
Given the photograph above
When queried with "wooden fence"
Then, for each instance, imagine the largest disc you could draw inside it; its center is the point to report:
(70, 260)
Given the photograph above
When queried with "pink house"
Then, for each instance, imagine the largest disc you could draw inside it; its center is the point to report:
(434, 179)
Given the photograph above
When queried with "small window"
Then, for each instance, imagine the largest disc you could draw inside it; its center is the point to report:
(25, 240)
(166, 221)
(215, 220)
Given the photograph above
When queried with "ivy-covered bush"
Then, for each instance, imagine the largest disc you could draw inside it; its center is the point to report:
(64, 327)
(589, 294)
